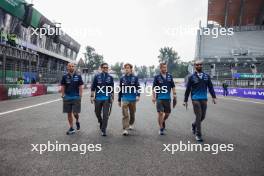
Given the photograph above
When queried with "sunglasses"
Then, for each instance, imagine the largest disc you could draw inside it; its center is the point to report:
(105, 67)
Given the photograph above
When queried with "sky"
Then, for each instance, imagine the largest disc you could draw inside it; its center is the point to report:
(129, 30)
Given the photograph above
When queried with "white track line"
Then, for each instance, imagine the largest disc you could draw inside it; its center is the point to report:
(242, 100)
(28, 107)
(32, 106)
(235, 99)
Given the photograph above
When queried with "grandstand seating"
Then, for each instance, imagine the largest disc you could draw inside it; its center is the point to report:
(241, 43)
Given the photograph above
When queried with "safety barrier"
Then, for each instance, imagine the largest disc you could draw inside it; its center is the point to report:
(13, 91)
(242, 92)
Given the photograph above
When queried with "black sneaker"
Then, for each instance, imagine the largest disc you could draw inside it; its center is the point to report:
(199, 138)
(70, 131)
(161, 131)
(193, 128)
(103, 133)
(78, 126)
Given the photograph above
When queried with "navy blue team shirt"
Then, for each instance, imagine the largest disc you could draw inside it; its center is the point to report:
(130, 86)
(198, 87)
(165, 84)
(101, 83)
(71, 84)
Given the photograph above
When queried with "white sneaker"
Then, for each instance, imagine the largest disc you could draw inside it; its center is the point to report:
(131, 127)
(125, 132)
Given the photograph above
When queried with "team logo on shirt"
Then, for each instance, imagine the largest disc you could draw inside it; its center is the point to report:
(76, 78)
(99, 79)
(108, 80)
(68, 79)
(169, 79)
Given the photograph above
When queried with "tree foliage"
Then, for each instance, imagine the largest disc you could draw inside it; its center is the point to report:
(117, 67)
(92, 59)
(175, 66)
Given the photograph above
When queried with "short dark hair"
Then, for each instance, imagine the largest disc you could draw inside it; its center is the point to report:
(198, 62)
(162, 63)
(128, 64)
(102, 65)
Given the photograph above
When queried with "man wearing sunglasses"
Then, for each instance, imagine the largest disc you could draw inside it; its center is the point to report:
(102, 96)
(197, 85)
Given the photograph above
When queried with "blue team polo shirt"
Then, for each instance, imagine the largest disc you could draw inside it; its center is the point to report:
(165, 84)
(102, 81)
(129, 88)
(198, 85)
(71, 84)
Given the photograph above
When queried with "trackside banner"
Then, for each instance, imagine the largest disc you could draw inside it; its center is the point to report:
(27, 90)
(12, 91)
(53, 88)
(242, 92)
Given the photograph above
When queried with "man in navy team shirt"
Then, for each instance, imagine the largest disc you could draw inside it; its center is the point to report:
(71, 92)
(129, 94)
(162, 85)
(102, 95)
(197, 85)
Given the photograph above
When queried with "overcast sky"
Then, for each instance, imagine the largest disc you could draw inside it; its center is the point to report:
(129, 30)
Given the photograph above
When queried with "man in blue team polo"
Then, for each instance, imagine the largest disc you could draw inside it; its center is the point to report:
(198, 84)
(162, 85)
(71, 92)
(102, 96)
(129, 94)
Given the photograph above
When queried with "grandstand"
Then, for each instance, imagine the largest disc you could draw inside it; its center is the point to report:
(27, 55)
(226, 55)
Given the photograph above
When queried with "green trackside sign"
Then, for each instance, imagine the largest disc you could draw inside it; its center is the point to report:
(14, 7)
(17, 9)
(35, 20)
(248, 75)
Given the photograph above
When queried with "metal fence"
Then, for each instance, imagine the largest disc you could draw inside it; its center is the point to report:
(29, 74)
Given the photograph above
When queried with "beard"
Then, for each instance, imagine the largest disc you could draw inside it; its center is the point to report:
(199, 70)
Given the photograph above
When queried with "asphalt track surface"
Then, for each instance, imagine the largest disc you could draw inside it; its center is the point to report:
(231, 121)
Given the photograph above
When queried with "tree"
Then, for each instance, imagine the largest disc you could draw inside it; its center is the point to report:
(81, 63)
(117, 67)
(142, 71)
(169, 56)
(175, 66)
(182, 69)
(92, 59)
(151, 71)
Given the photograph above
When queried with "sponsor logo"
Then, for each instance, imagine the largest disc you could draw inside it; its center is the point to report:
(233, 91)
(24, 91)
(53, 89)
